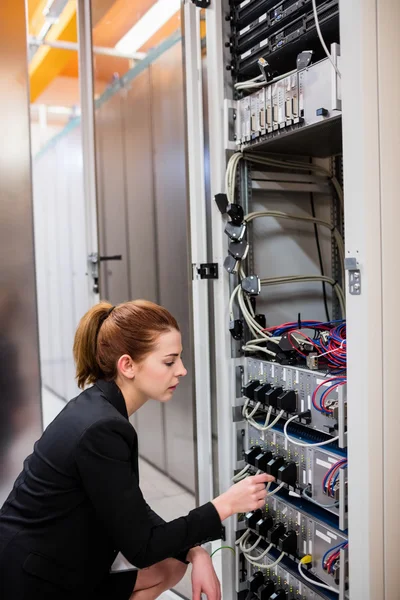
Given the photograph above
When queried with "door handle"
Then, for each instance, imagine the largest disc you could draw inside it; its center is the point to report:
(115, 257)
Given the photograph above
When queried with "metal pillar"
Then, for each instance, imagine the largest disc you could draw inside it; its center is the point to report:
(88, 136)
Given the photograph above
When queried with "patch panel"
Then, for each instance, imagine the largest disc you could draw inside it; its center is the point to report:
(295, 390)
(300, 470)
(297, 533)
(302, 99)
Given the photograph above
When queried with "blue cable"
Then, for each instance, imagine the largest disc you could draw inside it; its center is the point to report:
(332, 550)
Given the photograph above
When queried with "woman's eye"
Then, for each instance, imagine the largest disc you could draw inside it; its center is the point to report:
(169, 364)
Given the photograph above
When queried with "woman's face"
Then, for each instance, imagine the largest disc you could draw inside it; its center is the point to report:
(158, 375)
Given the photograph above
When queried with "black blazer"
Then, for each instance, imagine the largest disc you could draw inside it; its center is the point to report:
(77, 503)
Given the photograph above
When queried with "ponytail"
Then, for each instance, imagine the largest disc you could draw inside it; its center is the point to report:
(85, 344)
(106, 332)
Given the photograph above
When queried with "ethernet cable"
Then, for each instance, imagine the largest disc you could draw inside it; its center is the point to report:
(241, 475)
(321, 39)
(242, 537)
(245, 549)
(309, 278)
(260, 556)
(293, 164)
(305, 560)
(266, 425)
(260, 82)
(281, 215)
(263, 566)
(276, 490)
(305, 444)
(249, 415)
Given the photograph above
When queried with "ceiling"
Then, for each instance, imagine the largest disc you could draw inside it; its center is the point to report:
(54, 72)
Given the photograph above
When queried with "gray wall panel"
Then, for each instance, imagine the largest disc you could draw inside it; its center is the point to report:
(20, 410)
(114, 282)
(142, 239)
(173, 248)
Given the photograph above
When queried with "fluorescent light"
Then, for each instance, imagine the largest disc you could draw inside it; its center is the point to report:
(148, 25)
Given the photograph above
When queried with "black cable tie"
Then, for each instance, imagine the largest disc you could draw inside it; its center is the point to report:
(336, 283)
(299, 321)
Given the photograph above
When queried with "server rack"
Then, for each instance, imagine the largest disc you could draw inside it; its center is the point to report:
(372, 572)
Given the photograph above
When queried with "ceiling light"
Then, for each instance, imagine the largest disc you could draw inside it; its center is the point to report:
(148, 25)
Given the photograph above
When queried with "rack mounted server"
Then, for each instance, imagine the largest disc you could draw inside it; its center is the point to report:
(280, 46)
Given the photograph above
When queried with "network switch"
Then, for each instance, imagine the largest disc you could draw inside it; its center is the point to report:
(302, 99)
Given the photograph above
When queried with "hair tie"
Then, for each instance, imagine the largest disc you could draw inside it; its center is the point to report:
(102, 319)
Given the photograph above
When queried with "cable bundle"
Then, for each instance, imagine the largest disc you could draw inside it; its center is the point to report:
(331, 476)
(329, 560)
(329, 341)
(330, 385)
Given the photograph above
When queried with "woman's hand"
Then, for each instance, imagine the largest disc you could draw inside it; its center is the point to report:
(204, 578)
(248, 494)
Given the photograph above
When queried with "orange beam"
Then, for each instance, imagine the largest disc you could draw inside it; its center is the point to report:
(49, 62)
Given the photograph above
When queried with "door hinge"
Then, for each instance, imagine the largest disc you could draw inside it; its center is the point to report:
(202, 3)
(205, 271)
(351, 265)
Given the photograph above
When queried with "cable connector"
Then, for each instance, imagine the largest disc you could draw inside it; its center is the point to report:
(251, 285)
(305, 417)
(306, 560)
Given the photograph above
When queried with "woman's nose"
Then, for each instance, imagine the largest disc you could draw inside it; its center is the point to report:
(181, 370)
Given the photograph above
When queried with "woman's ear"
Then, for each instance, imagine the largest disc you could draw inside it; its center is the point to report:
(126, 367)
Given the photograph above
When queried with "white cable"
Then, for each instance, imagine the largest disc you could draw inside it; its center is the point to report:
(321, 39)
(321, 585)
(276, 490)
(239, 475)
(302, 166)
(267, 418)
(244, 549)
(257, 349)
(309, 278)
(242, 537)
(262, 566)
(260, 556)
(231, 300)
(249, 415)
(259, 81)
(265, 427)
(281, 215)
(304, 444)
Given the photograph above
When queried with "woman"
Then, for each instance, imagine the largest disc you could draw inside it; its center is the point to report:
(77, 502)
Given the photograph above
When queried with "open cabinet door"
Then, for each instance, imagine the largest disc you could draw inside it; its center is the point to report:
(199, 250)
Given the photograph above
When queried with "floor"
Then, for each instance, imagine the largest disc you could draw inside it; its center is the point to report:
(164, 496)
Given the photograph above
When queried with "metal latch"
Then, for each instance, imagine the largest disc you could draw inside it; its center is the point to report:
(207, 270)
(93, 260)
(351, 265)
